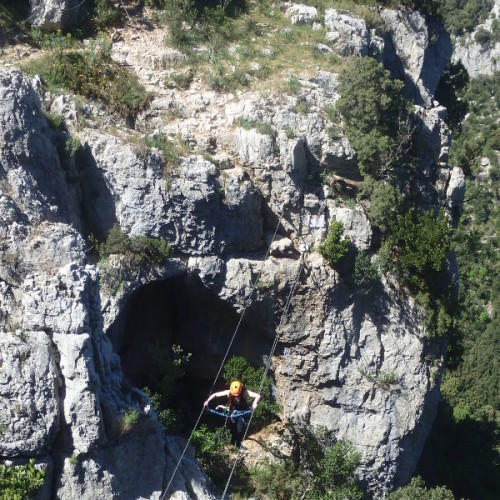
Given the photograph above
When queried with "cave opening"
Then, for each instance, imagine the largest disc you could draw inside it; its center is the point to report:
(182, 311)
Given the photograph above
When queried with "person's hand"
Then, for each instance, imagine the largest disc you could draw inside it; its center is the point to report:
(205, 404)
(254, 406)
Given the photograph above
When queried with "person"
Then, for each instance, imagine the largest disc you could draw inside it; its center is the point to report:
(237, 396)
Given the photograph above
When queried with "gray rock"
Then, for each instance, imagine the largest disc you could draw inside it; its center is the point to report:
(348, 35)
(301, 14)
(479, 59)
(411, 53)
(56, 14)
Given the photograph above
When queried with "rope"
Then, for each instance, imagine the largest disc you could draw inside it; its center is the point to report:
(248, 301)
(233, 414)
(268, 364)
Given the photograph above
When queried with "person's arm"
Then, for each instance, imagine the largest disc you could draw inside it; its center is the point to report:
(256, 398)
(219, 394)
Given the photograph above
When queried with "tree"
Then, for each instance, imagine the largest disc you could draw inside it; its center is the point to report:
(334, 248)
(376, 115)
(416, 490)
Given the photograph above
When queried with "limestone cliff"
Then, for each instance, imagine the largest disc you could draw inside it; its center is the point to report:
(66, 336)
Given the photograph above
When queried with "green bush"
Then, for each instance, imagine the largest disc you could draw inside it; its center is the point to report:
(417, 246)
(319, 469)
(129, 420)
(416, 490)
(383, 202)
(365, 275)
(20, 482)
(376, 116)
(138, 249)
(91, 73)
(334, 248)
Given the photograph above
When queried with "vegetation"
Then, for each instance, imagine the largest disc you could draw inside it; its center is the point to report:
(322, 468)
(137, 249)
(463, 450)
(334, 248)
(129, 420)
(416, 490)
(238, 368)
(90, 73)
(20, 482)
(167, 369)
(376, 117)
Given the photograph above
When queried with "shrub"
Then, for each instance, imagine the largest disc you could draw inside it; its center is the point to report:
(416, 490)
(321, 468)
(383, 202)
(386, 379)
(365, 275)
(417, 246)
(129, 420)
(334, 248)
(20, 482)
(376, 116)
(138, 249)
(93, 74)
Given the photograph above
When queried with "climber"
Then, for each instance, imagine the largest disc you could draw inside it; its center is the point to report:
(236, 400)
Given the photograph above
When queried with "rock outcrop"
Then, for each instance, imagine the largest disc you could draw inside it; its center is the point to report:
(56, 14)
(361, 365)
(480, 56)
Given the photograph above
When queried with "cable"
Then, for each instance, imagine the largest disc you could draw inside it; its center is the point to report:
(248, 301)
(268, 364)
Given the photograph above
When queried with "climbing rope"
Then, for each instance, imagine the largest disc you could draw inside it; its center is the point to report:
(247, 303)
(268, 364)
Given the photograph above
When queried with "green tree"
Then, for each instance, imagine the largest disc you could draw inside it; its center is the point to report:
(320, 468)
(334, 248)
(376, 116)
(416, 490)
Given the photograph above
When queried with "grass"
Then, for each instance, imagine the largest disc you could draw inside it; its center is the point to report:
(235, 54)
(91, 73)
(129, 421)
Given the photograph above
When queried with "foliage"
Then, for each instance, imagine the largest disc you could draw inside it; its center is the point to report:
(321, 469)
(334, 248)
(105, 14)
(376, 116)
(417, 246)
(137, 249)
(386, 379)
(261, 127)
(238, 368)
(129, 420)
(480, 133)
(461, 16)
(171, 149)
(383, 202)
(93, 74)
(167, 369)
(416, 490)
(20, 482)
(463, 449)
(365, 275)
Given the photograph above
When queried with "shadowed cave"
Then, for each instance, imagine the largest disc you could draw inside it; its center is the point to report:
(182, 311)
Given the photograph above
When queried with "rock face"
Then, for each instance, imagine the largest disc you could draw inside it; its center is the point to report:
(480, 58)
(70, 336)
(56, 14)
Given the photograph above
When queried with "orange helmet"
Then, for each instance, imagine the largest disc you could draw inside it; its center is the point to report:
(236, 387)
